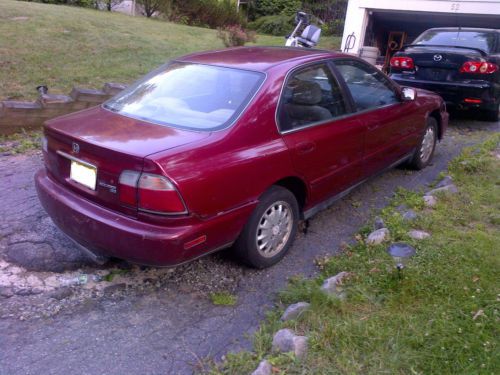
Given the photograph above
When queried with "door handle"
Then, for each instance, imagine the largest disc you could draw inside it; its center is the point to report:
(305, 147)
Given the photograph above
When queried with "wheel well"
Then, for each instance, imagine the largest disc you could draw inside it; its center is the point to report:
(435, 114)
(297, 187)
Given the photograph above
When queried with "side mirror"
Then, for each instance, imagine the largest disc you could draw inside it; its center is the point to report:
(408, 94)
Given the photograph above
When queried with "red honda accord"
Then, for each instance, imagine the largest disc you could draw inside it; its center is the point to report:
(228, 147)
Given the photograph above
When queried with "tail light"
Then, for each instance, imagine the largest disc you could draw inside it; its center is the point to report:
(478, 67)
(150, 192)
(402, 62)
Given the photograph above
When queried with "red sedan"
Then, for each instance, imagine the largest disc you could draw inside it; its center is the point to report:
(229, 147)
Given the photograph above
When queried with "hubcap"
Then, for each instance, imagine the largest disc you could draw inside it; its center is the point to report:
(274, 229)
(427, 145)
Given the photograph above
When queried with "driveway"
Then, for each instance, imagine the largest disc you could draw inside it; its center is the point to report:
(155, 321)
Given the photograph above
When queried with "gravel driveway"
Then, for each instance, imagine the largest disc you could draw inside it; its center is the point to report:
(126, 319)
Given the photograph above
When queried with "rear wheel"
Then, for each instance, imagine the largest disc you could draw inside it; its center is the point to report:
(271, 229)
(425, 150)
(492, 115)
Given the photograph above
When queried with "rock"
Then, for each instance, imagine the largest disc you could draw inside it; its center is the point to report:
(447, 180)
(379, 223)
(418, 234)
(286, 341)
(300, 346)
(283, 340)
(264, 368)
(61, 293)
(294, 311)
(109, 290)
(26, 291)
(6, 291)
(330, 285)
(409, 215)
(430, 200)
(378, 236)
(452, 189)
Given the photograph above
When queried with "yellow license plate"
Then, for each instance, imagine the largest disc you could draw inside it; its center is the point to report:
(85, 175)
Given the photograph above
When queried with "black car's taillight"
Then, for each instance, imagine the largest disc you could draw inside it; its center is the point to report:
(478, 67)
(402, 62)
(150, 192)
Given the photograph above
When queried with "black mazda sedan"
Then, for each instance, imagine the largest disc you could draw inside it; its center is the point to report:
(460, 64)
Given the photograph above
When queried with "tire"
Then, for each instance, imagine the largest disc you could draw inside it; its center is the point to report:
(492, 115)
(425, 149)
(275, 206)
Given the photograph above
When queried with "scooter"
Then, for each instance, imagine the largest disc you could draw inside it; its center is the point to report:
(309, 37)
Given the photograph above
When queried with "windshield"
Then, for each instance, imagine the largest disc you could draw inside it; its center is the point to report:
(482, 40)
(191, 96)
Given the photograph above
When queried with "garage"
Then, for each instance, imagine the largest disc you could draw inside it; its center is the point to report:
(387, 25)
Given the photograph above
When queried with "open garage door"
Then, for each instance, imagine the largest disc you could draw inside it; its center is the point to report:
(389, 30)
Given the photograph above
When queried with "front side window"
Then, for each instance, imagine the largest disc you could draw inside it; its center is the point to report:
(191, 96)
(310, 95)
(369, 88)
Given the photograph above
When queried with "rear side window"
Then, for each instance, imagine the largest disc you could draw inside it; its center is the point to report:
(482, 40)
(369, 88)
(311, 95)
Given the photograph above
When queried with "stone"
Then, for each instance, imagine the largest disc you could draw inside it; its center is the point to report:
(378, 236)
(430, 200)
(330, 285)
(283, 341)
(110, 290)
(61, 293)
(409, 215)
(286, 341)
(452, 189)
(447, 180)
(264, 368)
(294, 311)
(418, 234)
(6, 291)
(379, 223)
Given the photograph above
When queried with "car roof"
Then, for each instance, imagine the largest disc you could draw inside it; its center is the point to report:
(463, 29)
(257, 58)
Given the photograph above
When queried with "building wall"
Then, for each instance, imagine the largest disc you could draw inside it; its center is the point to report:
(358, 12)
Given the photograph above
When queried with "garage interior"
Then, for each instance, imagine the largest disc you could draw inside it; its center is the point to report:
(390, 30)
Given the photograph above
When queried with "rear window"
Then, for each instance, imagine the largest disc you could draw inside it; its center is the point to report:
(482, 40)
(190, 96)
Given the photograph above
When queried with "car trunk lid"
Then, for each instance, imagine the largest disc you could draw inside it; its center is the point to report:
(105, 143)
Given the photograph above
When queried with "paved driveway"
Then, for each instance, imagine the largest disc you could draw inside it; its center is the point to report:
(163, 324)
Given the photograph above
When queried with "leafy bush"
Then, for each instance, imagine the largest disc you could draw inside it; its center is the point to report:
(204, 13)
(235, 35)
(260, 8)
(274, 25)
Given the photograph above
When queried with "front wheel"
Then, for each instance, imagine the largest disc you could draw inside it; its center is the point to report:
(271, 229)
(425, 150)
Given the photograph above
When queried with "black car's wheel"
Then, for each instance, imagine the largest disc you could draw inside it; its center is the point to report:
(492, 115)
(425, 150)
(271, 229)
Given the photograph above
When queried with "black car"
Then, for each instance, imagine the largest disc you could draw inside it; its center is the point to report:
(460, 64)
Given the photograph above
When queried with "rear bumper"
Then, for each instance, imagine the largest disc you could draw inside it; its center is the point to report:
(108, 233)
(456, 93)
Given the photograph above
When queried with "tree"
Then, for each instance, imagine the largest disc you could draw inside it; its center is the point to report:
(109, 4)
(150, 7)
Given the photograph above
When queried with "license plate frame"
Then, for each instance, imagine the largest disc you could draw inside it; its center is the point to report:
(84, 174)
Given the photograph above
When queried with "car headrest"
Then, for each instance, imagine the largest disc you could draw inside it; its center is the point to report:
(306, 93)
(311, 33)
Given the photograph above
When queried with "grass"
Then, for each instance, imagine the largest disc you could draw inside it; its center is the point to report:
(223, 299)
(63, 46)
(20, 142)
(442, 317)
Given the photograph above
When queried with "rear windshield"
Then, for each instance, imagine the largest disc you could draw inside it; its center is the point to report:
(190, 96)
(482, 40)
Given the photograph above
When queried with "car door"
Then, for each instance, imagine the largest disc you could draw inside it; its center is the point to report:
(390, 122)
(325, 141)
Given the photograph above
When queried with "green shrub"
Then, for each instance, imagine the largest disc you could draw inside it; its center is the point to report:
(204, 13)
(260, 8)
(274, 25)
(235, 36)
